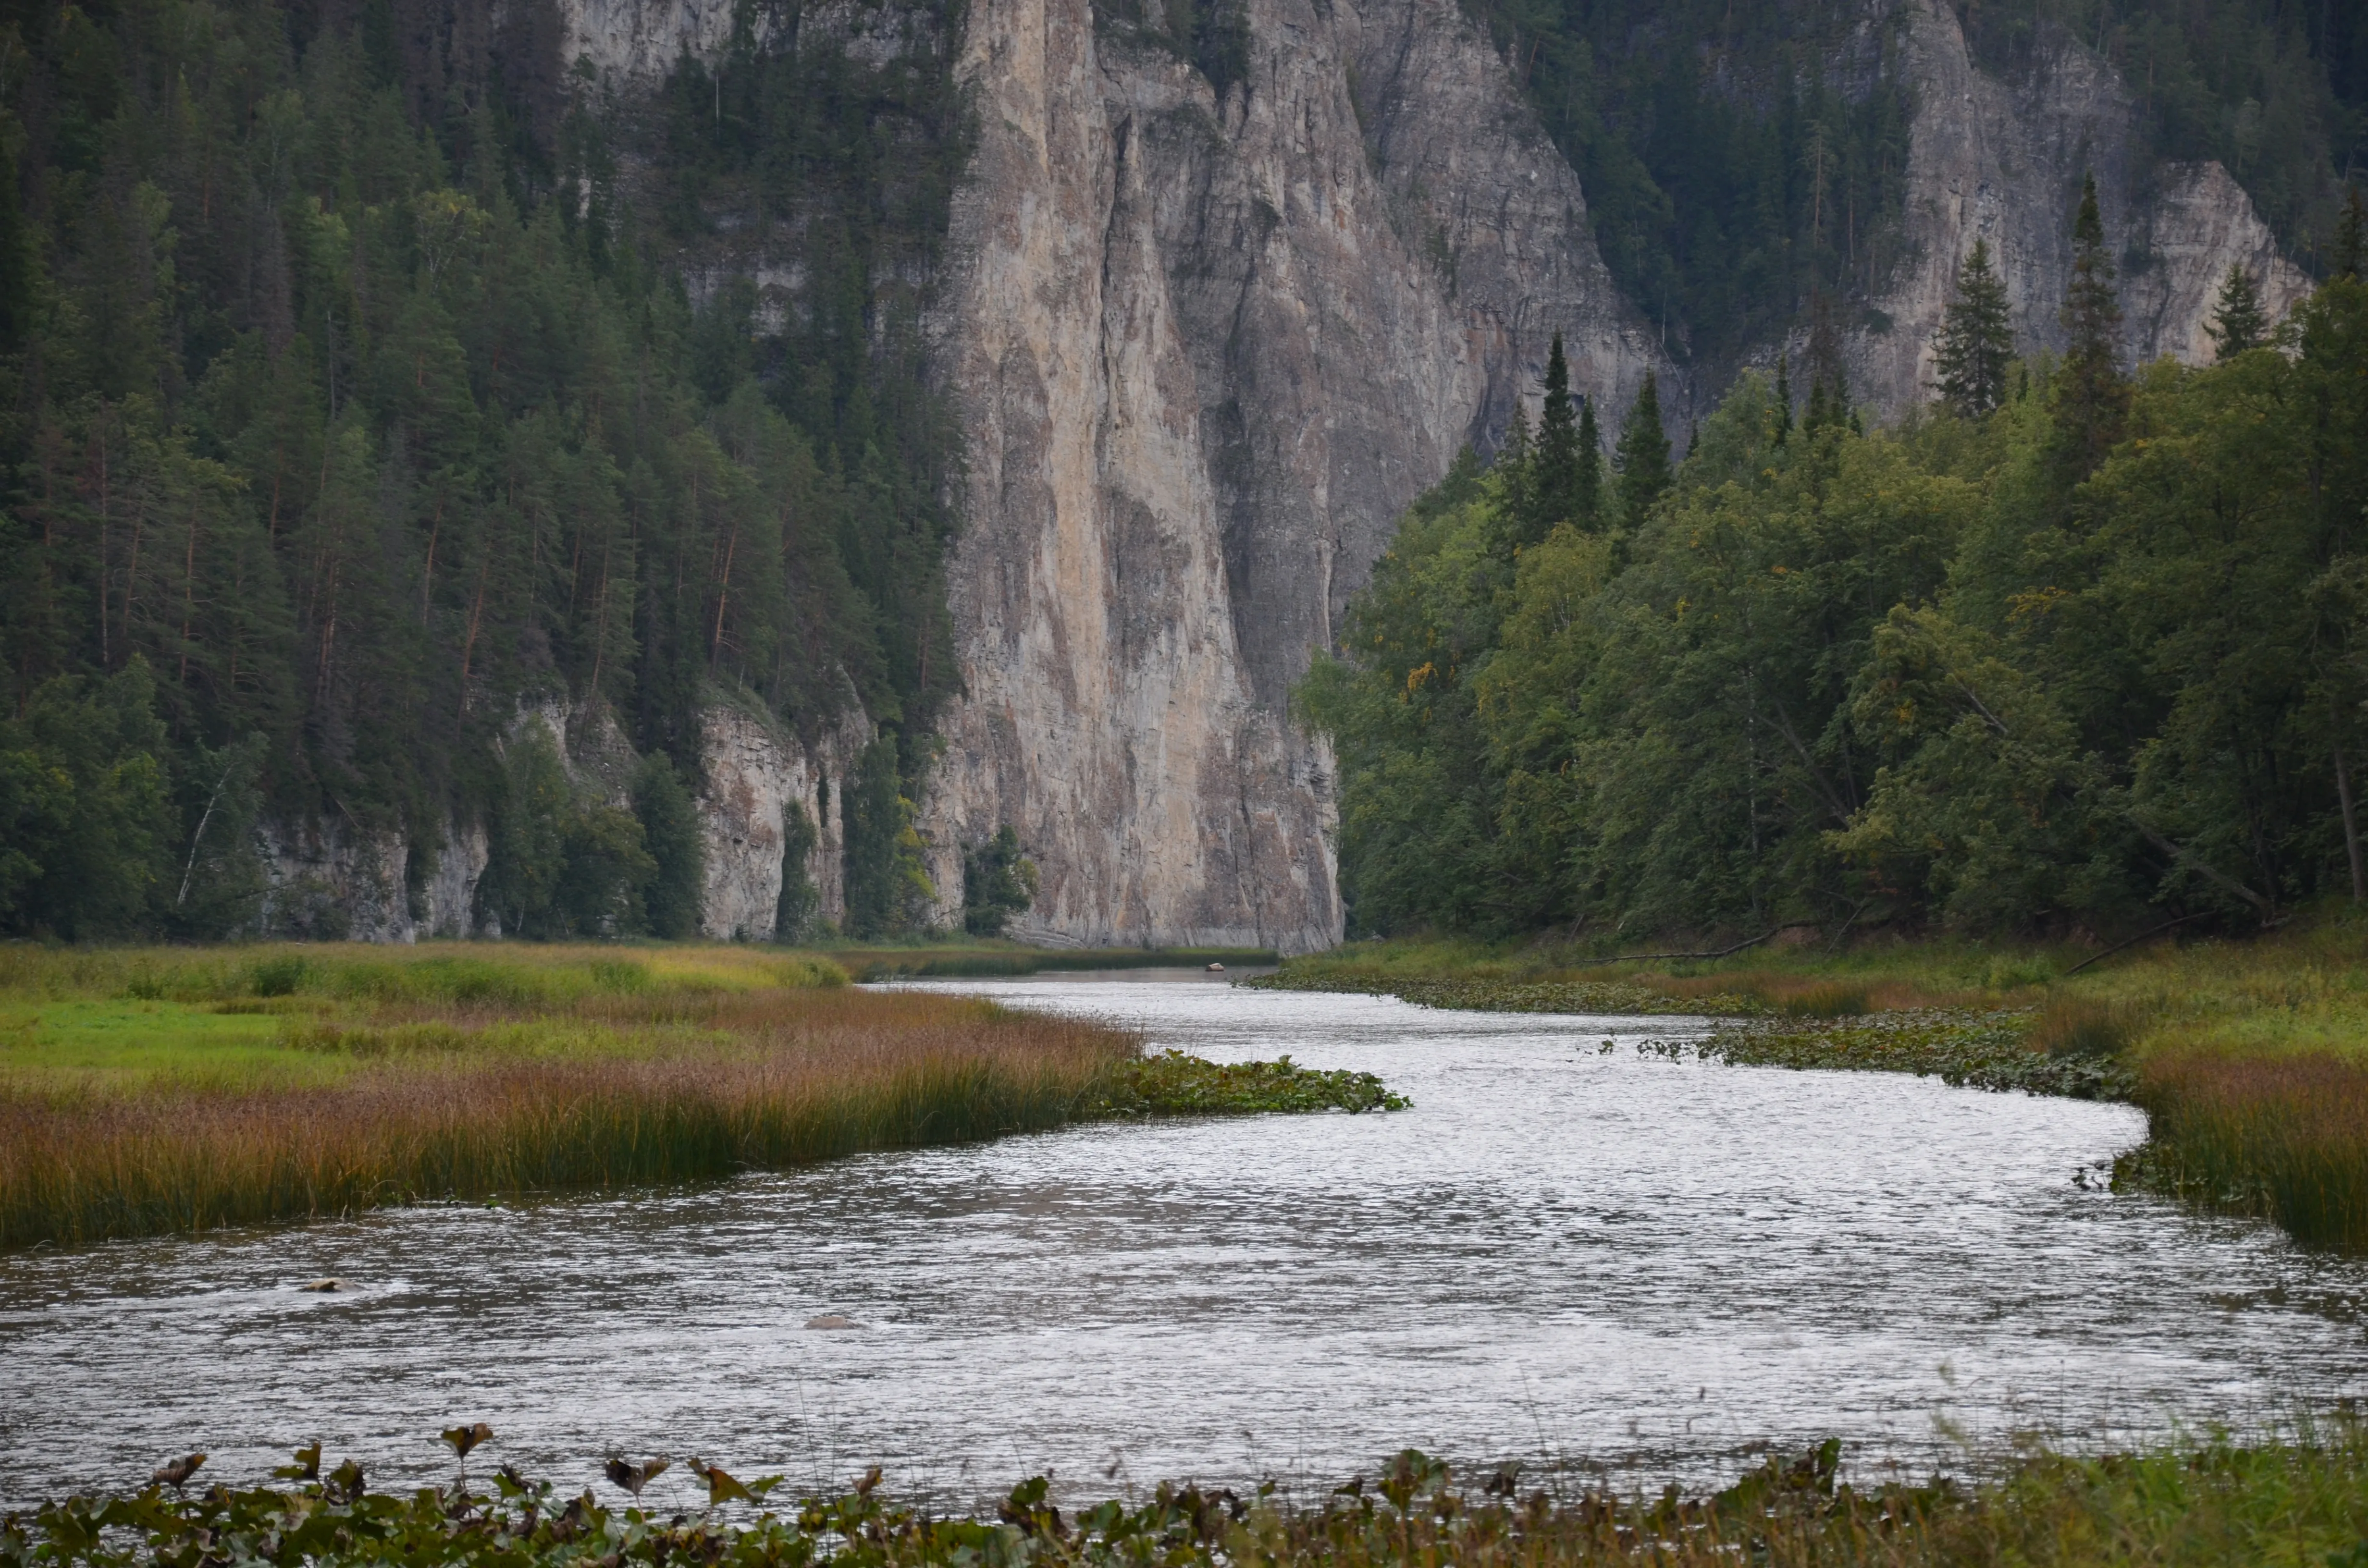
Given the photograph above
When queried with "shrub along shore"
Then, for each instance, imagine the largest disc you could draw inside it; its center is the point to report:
(149, 1091)
(2301, 1501)
(2250, 1058)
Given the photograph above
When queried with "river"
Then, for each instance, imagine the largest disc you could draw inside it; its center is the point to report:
(1568, 1252)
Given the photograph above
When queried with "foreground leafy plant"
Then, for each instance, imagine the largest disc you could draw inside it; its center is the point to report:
(2304, 1501)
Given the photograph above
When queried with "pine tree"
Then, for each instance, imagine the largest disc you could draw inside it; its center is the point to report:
(1554, 492)
(2238, 321)
(1514, 470)
(1783, 398)
(2092, 399)
(1589, 510)
(1828, 383)
(2351, 238)
(1644, 456)
(1977, 342)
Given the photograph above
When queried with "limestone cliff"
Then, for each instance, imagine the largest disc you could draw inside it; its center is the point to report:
(2002, 160)
(333, 879)
(1205, 349)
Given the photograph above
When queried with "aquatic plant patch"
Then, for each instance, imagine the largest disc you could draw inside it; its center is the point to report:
(1172, 1083)
(1964, 1048)
(2302, 1501)
(1610, 997)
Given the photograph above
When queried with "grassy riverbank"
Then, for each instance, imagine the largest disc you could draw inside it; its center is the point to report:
(2298, 1503)
(2250, 1057)
(144, 1091)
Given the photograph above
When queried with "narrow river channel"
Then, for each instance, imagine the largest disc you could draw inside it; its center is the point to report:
(1576, 1256)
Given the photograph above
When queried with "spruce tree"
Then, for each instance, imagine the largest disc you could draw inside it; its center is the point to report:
(1977, 342)
(1828, 385)
(1514, 471)
(1554, 491)
(1783, 398)
(1589, 512)
(2350, 237)
(1644, 456)
(2092, 399)
(2238, 321)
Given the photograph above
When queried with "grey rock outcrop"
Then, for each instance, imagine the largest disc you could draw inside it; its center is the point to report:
(756, 774)
(332, 879)
(2002, 160)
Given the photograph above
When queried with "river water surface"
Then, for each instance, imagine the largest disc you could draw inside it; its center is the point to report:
(1574, 1254)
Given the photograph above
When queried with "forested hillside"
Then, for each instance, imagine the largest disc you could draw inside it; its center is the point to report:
(354, 392)
(2068, 648)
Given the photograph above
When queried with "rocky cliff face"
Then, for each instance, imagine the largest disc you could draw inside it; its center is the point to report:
(1206, 344)
(333, 879)
(2002, 160)
(1206, 347)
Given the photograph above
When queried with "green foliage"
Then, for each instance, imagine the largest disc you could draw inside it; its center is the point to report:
(999, 882)
(2293, 1497)
(1566, 473)
(1643, 458)
(566, 864)
(1957, 673)
(1977, 347)
(801, 900)
(2092, 401)
(669, 825)
(888, 888)
(355, 394)
(2238, 322)
(1172, 1083)
(85, 814)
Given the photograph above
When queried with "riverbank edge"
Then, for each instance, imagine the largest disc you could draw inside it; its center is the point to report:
(1968, 1048)
(2299, 1498)
(2249, 1058)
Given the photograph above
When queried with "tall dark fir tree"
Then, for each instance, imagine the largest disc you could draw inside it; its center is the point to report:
(1589, 508)
(1555, 484)
(1644, 456)
(2238, 323)
(2092, 399)
(1977, 342)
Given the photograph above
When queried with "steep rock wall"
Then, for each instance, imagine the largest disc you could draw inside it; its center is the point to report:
(332, 879)
(756, 774)
(1206, 349)
(2002, 160)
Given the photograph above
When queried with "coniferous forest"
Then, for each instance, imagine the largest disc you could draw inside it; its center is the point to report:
(369, 375)
(2072, 648)
(354, 397)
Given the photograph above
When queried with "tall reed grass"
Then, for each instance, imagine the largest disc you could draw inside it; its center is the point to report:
(457, 1075)
(2282, 1136)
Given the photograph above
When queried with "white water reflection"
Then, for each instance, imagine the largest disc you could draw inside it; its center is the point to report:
(1559, 1253)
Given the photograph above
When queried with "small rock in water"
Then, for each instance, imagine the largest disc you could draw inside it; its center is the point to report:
(1217, 968)
(831, 1320)
(323, 1286)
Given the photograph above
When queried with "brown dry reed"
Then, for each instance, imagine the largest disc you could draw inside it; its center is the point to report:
(2284, 1137)
(472, 1077)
